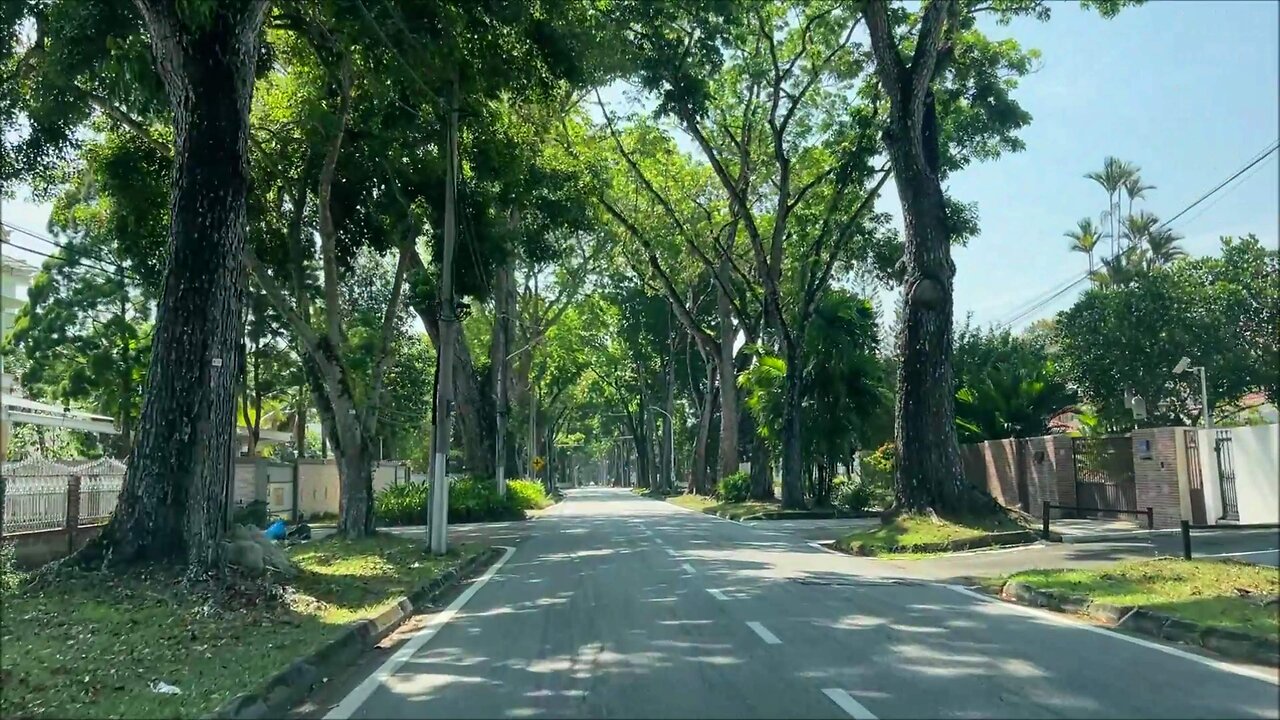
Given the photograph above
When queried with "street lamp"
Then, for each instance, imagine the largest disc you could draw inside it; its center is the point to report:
(1184, 365)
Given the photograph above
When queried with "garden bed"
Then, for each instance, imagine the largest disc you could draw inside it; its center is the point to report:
(95, 645)
(916, 535)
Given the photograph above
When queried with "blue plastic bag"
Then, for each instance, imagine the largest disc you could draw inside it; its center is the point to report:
(275, 531)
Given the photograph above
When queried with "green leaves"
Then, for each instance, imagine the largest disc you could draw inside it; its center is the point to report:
(1220, 312)
(1007, 386)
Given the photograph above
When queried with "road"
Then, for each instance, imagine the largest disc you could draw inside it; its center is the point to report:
(615, 606)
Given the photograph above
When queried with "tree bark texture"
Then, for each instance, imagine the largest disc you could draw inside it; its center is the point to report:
(928, 473)
(470, 405)
(761, 472)
(699, 481)
(728, 379)
(174, 503)
(792, 457)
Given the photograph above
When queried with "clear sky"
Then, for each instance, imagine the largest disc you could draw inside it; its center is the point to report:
(1189, 91)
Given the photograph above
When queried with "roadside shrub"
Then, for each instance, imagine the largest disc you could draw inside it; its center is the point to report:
(734, 488)
(882, 460)
(10, 575)
(253, 514)
(854, 495)
(528, 494)
(475, 499)
(402, 504)
(471, 499)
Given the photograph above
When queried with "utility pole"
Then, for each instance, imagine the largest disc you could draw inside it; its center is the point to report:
(448, 310)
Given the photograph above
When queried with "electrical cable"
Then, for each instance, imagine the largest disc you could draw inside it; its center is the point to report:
(1037, 304)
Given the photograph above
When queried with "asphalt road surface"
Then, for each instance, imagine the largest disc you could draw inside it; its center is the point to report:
(614, 606)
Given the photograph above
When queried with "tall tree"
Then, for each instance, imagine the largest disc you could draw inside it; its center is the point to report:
(790, 75)
(1085, 239)
(173, 504)
(923, 61)
(1113, 178)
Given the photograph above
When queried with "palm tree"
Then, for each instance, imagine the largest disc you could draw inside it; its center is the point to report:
(1113, 176)
(1137, 229)
(1085, 238)
(1162, 245)
(1134, 188)
(1121, 269)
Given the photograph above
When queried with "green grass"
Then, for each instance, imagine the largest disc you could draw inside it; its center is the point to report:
(734, 511)
(1218, 594)
(906, 533)
(91, 644)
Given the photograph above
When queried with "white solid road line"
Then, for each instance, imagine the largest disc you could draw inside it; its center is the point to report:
(1061, 619)
(764, 633)
(848, 704)
(688, 568)
(356, 697)
(1239, 554)
(717, 594)
(672, 553)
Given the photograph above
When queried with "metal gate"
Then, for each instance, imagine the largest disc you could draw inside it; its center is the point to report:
(1104, 475)
(1195, 479)
(1226, 475)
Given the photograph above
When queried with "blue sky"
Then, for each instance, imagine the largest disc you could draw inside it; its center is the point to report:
(1189, 91)
(1186, 90)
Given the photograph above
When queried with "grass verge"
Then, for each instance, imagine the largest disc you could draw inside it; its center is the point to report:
(93, 644)
(1223, 594)
(712, 506)
(754, 509)
(919, 535)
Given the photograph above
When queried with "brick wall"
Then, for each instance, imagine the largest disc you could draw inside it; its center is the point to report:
(1045, 463)
(1155, 474)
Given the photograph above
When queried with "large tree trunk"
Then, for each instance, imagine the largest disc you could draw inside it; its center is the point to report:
(668, 420)
(499, 368)
(792, 442)
(728, 380)
(470, 407)
(174, 503)
(698, 480)
(355, 471)
(761, 471)
(927, 474)
(474, 411)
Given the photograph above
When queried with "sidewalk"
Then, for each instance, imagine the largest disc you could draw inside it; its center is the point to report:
(1075, 530)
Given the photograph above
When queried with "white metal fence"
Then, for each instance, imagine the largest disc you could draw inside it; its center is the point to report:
(37, 492)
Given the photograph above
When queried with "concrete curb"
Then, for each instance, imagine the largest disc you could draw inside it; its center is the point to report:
(1228, 643)
(277, 695)
(1003, 539)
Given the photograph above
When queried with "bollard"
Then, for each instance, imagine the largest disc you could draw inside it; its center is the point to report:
(1151, 520)
(1186, 540)
(1044, 520)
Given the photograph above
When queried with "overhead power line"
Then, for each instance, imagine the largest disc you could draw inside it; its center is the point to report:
(79, 258)
(80, 262)
(1042, 301)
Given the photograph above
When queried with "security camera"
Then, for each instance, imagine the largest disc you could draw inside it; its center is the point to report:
(1182, 366)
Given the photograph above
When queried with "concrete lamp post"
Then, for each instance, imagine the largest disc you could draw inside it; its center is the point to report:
(1184, 365)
